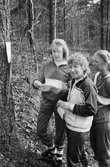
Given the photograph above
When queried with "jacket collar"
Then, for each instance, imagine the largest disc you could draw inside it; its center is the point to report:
(79, 80)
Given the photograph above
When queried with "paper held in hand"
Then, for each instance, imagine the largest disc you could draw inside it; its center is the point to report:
(55, 83)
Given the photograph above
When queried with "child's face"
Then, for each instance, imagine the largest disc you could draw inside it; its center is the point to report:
(57, 53)
(98, 63)
(77, 71)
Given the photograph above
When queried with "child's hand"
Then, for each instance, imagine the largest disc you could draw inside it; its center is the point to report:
(60, 103)
(45, 88)
(65, 105)
(37, 84)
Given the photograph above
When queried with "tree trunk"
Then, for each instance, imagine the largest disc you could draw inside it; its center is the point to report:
(107, 25)
(55, 19)
(102, 24)
(51, 36)
(7, 117)
(64, 18)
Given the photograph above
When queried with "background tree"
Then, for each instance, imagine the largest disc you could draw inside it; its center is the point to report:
(105, 24)
(102, 24)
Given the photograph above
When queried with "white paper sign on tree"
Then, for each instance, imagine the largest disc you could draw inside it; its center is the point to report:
(8, 50)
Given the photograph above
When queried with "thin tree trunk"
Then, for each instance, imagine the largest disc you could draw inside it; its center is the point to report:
(55, 19)
(51, 36)
(107, 25)
(64, 19)
(102, 24)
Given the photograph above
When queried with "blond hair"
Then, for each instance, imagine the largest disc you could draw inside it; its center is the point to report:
(61, 42)
(79, 59)
(104, 54)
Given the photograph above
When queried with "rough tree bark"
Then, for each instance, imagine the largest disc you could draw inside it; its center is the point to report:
(8, 138)
(7, 118)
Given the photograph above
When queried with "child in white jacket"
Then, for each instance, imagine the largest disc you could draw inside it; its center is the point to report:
(79, 110)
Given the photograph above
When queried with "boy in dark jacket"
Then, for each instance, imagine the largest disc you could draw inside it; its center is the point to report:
(79, 110)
